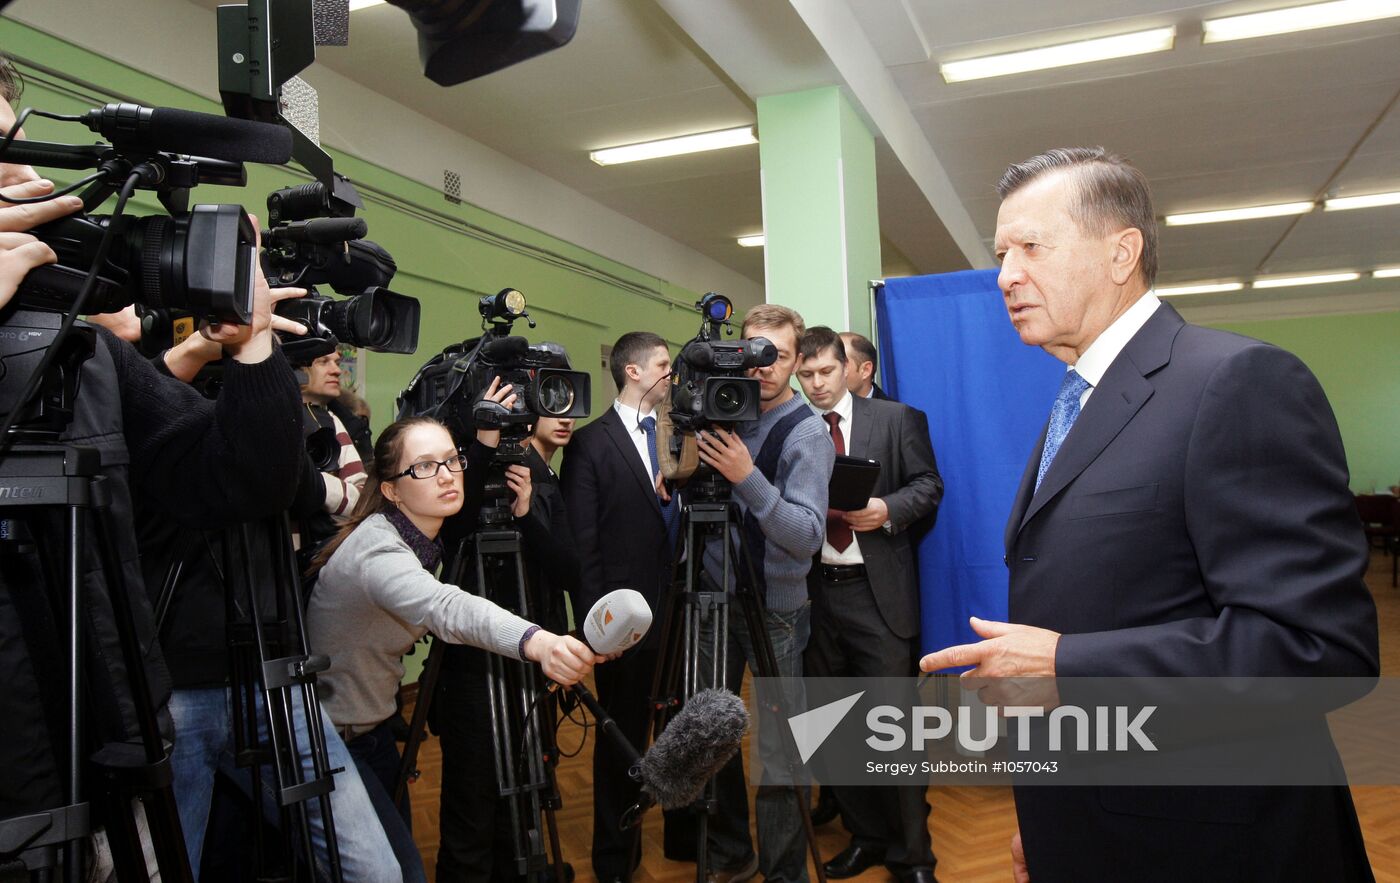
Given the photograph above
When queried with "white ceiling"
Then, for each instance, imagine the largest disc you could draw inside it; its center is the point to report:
(1259, 121)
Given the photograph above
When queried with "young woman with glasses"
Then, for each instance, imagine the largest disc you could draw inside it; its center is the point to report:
(376, 595)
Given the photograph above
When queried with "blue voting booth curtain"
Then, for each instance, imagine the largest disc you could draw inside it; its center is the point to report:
(948, 348)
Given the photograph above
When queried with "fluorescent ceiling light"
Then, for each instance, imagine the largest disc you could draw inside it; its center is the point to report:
(1287, 281)
(1297, 18)
(1370, 200)
(1239, 214)
(675, 146)
(751, 241)
(1208, 288)
(1387, 273)
(1120, 46)
(364, 4)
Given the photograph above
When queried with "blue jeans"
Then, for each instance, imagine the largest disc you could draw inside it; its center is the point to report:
(376, 755)
(204, 746)
(782, 844)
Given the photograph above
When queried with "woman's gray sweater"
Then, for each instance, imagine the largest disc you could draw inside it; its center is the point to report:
(372, 601)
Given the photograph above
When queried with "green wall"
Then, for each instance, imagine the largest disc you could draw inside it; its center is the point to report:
(1357, 359)
(448, 255)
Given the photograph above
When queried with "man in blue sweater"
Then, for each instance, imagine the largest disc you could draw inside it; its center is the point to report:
(779, 467)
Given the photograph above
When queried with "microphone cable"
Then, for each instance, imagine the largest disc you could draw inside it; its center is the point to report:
(36, 377)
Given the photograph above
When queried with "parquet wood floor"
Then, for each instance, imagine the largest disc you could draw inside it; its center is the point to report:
(971, 827)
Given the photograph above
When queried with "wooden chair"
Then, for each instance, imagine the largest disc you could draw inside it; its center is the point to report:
(1380, 515)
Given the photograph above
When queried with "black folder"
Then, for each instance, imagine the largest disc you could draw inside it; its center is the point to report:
(852, 480)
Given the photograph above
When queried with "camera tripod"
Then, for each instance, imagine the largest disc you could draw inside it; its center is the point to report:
(36, 476)
(522, 733)
(697, 609)
(270, 666)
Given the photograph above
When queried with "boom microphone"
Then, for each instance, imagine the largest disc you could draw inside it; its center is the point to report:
(321, 231)
(187, 131)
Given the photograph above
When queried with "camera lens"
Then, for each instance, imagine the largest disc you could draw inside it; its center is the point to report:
(556, 395)
(729, 399)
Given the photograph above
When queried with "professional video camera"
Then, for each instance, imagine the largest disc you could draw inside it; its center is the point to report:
(199, 260)
(709, 386)
(307, 245)
(452, 385)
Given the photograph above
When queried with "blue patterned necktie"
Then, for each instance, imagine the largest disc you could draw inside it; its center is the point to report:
(668, 510)
(1062, 418)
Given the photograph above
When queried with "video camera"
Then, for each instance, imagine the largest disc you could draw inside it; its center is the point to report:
(196, 260)
(307, 246)
(452, 386)
(709, 386)
(199, 260)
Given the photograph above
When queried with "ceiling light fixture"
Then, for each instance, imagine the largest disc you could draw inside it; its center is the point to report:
(1320, 279)
(1370, 200)
(1205, 288)
(1387, 273)
(751, 241)
(364, 4)
(1080, 52)
(1239, 214)
(1297, 18)
(675, 146)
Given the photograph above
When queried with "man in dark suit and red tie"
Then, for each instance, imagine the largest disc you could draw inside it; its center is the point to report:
(1186, 514)
(625, 531)
(865, 592)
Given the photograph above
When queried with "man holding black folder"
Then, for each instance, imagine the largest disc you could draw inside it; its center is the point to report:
(865, 593)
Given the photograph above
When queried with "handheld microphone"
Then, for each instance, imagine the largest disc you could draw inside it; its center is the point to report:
(697, 742)
(187, 131)
(618, 620)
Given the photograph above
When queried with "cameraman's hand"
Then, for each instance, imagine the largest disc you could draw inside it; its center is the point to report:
(252, 343)
(564, 659)
(19, 251)
(518, 480)
(726, 452)
(502, 395)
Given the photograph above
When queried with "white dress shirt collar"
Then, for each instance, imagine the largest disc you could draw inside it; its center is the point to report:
(843, 409)
(631, 418)
(1094, 363)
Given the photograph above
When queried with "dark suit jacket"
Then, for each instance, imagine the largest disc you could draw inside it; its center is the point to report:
(1195, 522)
(909, 483)
(551, 559)
(615, 514)
(877, 393)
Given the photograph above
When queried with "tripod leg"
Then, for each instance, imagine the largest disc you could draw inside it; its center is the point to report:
(427, 687)
(73, 851)
(755, 617)
(162, 815)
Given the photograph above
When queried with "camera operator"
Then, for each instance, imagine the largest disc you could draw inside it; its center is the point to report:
(376, 596)
(163, 447)
(344, 478)
(778, 467)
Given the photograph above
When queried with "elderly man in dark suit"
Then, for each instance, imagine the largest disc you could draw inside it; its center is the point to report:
(865, 591)
(625, 531)
(1186, 513)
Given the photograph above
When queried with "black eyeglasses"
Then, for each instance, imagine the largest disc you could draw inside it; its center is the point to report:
(429, 468)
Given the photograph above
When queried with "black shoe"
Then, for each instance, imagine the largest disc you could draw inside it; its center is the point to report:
(854, 860)
(826, 810)
(915, 875)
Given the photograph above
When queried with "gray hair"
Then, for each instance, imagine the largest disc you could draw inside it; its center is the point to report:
(1112, 194)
